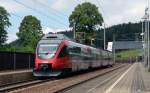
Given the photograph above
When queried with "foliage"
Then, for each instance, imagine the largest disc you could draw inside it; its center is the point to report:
(22, 49)
(85, 18)
(129, 31)
(123, 32)
(30, 31)
(4, 23)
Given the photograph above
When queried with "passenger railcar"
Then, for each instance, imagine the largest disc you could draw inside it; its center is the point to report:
(56, 54)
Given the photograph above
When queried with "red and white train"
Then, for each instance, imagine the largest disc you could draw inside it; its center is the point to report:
(56, 54)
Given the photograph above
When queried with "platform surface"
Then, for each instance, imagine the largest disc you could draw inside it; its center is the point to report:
(135, 80)
(15, 71)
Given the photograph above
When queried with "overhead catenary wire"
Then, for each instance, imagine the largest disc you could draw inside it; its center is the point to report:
(55, 11)
(18, 16)
(39, 12)
(78, 1)
(104, 23)
(99, 4)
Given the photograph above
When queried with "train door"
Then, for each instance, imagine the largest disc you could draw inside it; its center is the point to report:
(63, 58)
(75, 58)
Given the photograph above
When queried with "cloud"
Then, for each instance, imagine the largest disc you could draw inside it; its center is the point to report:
(11, 37)
(123, 11)
(114, 11)
(63, 4)
(11, 6)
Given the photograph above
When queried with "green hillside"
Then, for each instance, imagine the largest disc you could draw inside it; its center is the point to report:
(126, 54)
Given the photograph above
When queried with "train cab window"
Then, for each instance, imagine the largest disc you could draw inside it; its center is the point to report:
(46, 51)
(63, 52)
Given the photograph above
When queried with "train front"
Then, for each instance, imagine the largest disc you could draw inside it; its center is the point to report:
(46, 61)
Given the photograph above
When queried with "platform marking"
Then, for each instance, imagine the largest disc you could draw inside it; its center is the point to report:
(113, 85)
(100, 84)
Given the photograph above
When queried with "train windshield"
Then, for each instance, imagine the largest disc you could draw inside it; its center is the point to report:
(46, 51)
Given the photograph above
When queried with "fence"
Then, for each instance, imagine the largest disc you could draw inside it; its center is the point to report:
(14, 60)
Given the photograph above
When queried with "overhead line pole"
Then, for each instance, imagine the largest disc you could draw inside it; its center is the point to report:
(103, 24)
(146, 56)
(114, 50)
(142, 32)
(148, 38)
(143, 45)
(104, 37)
(74, 31)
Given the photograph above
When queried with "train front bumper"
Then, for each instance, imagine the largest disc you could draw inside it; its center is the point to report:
(48, 73)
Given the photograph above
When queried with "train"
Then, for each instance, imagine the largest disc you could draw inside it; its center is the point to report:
(56, 55)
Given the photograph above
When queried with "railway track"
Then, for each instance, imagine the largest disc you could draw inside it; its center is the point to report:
(63, 90)
(17, 85)
(61, 85)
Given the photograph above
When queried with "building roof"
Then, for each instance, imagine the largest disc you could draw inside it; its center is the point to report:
(121, 45)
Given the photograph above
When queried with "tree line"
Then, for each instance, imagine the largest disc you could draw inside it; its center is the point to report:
(30, 31)
(85, 18)
(121, 32)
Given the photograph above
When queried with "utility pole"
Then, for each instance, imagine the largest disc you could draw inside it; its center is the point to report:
(148, 42)
(114, 52)
(142, 32)
(104, 37)
(147, 35)
(74, 31)
(146, 38)
(143, 41)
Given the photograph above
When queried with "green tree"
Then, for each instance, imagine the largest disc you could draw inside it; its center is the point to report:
(30, 31)
(85, 17)
(4, 24)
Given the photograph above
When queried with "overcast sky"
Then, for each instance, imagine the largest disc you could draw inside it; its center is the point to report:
(54, 14)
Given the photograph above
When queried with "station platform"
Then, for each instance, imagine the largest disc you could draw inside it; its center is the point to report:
(134, 80)
(14, 76)
(6, 72)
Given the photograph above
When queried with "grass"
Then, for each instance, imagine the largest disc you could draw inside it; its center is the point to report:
(126, 54)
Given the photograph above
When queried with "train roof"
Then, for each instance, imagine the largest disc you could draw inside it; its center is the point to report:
(57, 38)
(54, 38)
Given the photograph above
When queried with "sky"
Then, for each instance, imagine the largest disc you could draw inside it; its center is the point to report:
(54, 14)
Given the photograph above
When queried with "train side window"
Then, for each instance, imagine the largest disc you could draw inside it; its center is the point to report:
(63, 52)
(74, 50)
